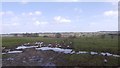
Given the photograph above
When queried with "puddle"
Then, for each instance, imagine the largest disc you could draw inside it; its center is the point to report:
(93, 53)
(61, 50)
(73, 52)
(116, 55)
(70, 51)
(108, 54)
(41, 59)
(3, 53)
(15, 51)
(82, 52)
(66, 51)
(24, 47)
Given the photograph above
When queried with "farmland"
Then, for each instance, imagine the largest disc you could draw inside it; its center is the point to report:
(96, 44)
(83, 43)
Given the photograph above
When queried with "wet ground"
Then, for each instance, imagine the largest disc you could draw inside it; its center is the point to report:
(32, 57)
(42, 56)
(22, 48)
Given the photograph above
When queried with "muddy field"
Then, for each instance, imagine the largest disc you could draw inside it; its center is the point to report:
(31, 57)
(25, 55)
(60, 52)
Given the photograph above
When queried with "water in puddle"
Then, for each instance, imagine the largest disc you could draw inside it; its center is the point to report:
(93, 53)
(66, 51)
(70, 51)
(15, 52)
(108, 54)
(82, 52)
(3, 53)
(116, 55)
(24, 47)
(73, 52)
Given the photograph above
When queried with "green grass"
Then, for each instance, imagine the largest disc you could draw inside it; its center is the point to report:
(83, 43)
(89, 60)
(15, 41)
(97, 44)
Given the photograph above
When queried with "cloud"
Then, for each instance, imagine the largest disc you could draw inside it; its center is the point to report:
(57, 18)
(111, 13)
(60, 19)
(15, 24)
(77, 10)
(65, 20)
(23, 14)
(9, 13)
(30, 13)
(112, 0)
(44, 23)
(66, 0)
(37, 23)
(24, 2)
(38, 12)
(102, 25)
(34, 19)
(86, 0)
(6, 13)
(15, 18)
(2, 13)
(27, 18)
(114, 3)
(10, 24)
(99, 0)
(33, 13)
(10, 19)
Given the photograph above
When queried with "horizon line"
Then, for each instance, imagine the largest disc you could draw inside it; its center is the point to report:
(58, 32)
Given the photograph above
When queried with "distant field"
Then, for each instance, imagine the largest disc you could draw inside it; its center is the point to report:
(83, 43)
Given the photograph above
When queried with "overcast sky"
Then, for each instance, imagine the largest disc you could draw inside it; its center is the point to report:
(20, 17)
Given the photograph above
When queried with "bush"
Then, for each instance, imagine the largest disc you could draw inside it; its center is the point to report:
(58, 35)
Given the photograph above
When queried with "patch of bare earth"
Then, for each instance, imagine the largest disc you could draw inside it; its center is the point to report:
(32, 57)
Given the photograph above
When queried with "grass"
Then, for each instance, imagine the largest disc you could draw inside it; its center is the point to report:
(83, 43)
(89, 60)
(97, 44)
(10, 42)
